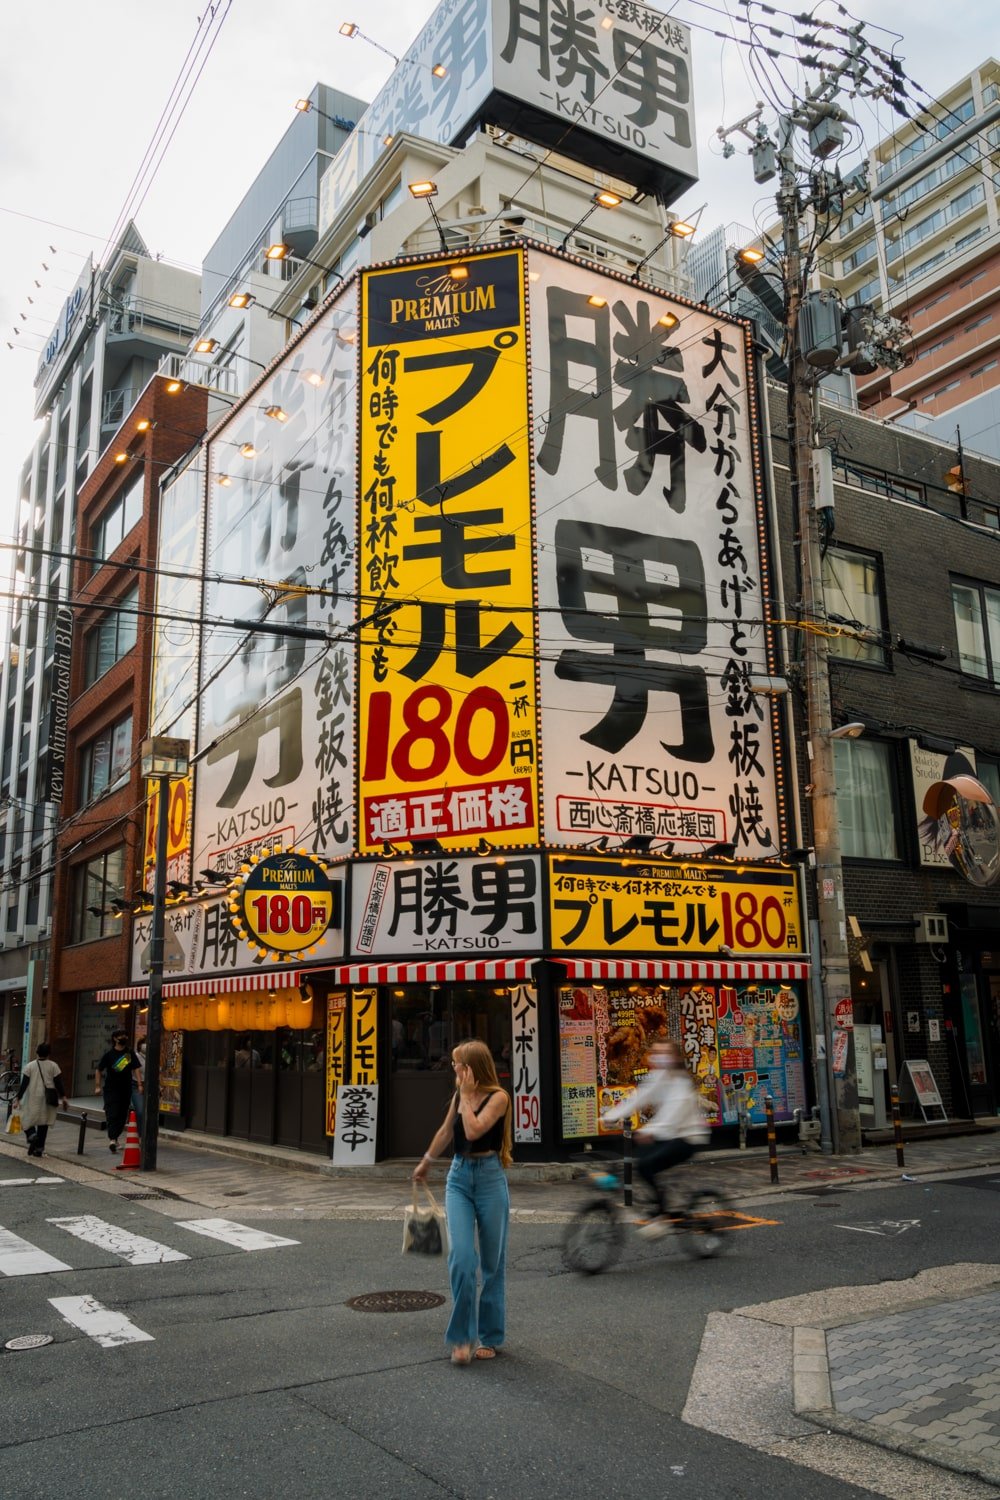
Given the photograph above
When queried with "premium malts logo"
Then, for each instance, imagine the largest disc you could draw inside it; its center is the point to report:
(477, 295)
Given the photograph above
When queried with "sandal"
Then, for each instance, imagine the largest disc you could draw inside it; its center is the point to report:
(462, 1354)
(485, 1352)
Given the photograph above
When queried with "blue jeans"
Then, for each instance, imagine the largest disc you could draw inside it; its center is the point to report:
(476, 1196)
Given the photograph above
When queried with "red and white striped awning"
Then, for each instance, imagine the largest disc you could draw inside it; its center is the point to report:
(424, 973)
(208, 984)
(684, 970)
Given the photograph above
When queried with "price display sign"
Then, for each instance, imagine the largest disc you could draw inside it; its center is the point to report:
(284, 903)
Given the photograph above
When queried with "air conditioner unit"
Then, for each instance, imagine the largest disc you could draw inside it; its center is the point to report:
(931, 927)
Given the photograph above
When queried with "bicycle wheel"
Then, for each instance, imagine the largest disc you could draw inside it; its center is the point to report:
(9, 1083)
(593, 1239)
(703, 1230)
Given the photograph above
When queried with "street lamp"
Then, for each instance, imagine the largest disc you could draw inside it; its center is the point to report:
(163, 761)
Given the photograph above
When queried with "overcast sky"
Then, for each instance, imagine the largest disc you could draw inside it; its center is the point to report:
(83, 84)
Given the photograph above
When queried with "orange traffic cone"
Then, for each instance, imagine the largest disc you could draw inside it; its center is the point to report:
(133, 1156)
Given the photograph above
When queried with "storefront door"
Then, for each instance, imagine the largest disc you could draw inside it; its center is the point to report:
(426, 1022)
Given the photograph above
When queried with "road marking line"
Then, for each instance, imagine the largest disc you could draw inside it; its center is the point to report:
(20, 1258)
(239, 1235)
(133, 1248)
(107, 1328)
(23, 1181)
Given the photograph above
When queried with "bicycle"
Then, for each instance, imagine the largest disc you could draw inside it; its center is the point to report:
(595, 1236)
(10, 1082)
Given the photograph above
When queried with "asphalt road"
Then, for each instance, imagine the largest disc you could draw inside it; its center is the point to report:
(255, 1379)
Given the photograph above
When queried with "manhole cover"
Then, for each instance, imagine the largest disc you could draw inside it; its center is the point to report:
(29, 1341)
(390, 1302)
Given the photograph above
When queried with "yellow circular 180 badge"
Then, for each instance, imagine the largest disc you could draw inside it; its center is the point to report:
(285, 903)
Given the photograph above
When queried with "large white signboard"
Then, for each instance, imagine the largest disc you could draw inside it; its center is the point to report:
(275, 733)
(209, 945)
(650, 573)
(608, 82)
(444, 906)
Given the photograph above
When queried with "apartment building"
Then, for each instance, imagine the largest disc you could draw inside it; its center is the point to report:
(118, 322)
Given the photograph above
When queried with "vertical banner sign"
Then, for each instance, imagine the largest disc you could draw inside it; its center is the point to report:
(525, 1070)
(357, 1109)
(336, 1008)
(62, 648)
(364, 1036)
(274, 727)
(652, 578)
(447, 727)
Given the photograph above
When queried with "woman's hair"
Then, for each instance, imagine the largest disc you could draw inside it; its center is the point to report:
(478, 1057)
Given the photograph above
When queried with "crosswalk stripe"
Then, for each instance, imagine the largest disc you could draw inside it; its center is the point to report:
(20, 1258)
(133, 1248)
(107, 1328)
(24, 1181)
(239, 1235)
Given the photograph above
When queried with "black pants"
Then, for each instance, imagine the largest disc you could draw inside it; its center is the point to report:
(35, 1135)
(657, 1156)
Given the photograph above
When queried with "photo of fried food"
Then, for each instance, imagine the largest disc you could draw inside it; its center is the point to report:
(626, 1052)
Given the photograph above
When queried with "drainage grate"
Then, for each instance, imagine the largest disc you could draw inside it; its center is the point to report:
(142, 1197)
(29, 1341)
(391, 1302)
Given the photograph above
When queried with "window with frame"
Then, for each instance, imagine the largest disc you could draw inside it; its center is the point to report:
(853, 593)
(866, 803)
(977, 622)
(104, 760)
(94, 886)
(113, 636)
(114, 525)
(988, 772)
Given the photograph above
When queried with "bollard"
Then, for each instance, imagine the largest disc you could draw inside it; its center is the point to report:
(897, 1125)
(772, 1140)
(627, 1167)
(83, 1134)
(741, 1116)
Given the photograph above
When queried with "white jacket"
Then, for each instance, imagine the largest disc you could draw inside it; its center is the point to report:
(673, 1098)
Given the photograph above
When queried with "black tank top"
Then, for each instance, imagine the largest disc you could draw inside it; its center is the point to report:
(491, 1141)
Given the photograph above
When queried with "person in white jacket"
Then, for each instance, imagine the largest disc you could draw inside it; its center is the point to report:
(675, 1127)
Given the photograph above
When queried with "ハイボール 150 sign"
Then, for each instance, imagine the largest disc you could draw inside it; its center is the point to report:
(447, 704)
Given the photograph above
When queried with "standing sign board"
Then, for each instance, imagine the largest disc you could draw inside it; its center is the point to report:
(924, 1086)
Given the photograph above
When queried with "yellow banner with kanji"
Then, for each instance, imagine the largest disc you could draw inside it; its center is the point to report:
(448, 738)
(622, 910)
(336, 1010)
(364, 1036)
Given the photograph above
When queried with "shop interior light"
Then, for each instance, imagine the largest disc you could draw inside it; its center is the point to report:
(206, 346)
(278, 251)
(241, 299)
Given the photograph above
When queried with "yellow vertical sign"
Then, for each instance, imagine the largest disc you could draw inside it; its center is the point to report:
(447, 702)
(336, 1006)
(364, 1036)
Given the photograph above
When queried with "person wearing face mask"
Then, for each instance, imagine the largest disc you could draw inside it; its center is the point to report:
(118, 1073)
(676, 1126)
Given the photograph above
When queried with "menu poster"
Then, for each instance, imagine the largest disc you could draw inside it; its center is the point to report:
(743, 1043)
(604, 1035)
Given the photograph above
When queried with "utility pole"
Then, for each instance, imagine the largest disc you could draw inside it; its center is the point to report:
(822, 120)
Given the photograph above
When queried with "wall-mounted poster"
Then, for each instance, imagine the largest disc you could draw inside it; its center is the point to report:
(447, 735)
(652, 578)
(604, 1035)
(275, 730)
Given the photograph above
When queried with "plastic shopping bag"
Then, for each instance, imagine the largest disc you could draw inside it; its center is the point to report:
(424, 1229)
(14, 1123)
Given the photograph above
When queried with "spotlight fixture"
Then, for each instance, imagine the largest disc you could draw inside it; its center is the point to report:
(458, 273)
(639, 843)
(600, 844)
(669, 320)
(348, 28)
(242, 299)
(121, 458)
(223, 480)
(681, 230)
(276, 413)
(313, 377)
(247, 450)
(173, 386)
(439, 70)
(601, 199)
(305, 992)
(596, 301)
(851, 731)
(425, 189)
(303, 105)
(278, 251)
(178, 887)
(388, 849)
(484, 847)
(425, 847)
(719, 851)
(666, 850)
(143, 424)
(206, 346)
(97, 911)
(750, 256)
(214, 877)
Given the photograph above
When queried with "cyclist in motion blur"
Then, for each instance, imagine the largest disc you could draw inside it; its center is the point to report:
(674, 1130)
